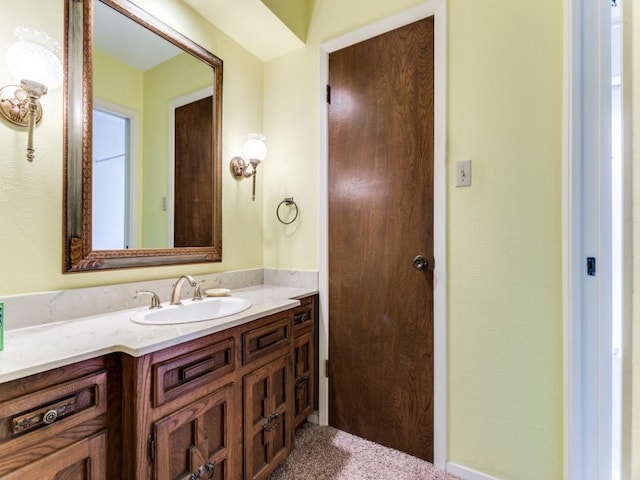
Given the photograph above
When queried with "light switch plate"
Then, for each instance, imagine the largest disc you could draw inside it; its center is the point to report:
(463, 173)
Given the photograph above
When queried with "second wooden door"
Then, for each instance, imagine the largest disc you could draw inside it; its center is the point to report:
(381, 143)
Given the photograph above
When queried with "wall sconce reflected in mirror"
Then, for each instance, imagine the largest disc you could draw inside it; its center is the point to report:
(254, 152)
(32, 61)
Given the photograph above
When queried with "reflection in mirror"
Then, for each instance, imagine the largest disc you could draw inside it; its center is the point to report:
(113, 215)
(149, 193)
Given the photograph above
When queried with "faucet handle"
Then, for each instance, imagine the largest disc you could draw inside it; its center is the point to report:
(197, 291)
(155, 300)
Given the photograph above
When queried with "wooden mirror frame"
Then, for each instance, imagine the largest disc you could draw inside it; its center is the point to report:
(78, 254)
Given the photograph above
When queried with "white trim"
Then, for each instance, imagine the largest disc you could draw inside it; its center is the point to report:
(134, 164)
(628, 50)
(586, 232)
(468, 473)
(173, 105)
(438, 9)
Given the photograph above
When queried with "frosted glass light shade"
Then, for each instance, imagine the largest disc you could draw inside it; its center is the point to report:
(254, 147)
(34, 57)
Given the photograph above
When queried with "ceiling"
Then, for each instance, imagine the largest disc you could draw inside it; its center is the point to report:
(250, 23)
(119, 37)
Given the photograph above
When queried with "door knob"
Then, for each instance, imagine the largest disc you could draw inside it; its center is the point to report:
(420, 263)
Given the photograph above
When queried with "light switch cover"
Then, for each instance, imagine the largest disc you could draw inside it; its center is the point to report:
(463, 173)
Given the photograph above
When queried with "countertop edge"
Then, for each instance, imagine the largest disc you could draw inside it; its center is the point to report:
(266, 300)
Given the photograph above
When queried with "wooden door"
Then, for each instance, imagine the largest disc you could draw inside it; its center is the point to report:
(84, 460)
(267, 418)
(194, 188)
(195, 441)
(381, 144)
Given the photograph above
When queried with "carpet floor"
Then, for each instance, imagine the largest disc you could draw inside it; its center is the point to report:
(325, 453)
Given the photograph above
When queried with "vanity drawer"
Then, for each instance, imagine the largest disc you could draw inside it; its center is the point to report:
(176, 376)
(273, 338)
(51, 411)
(303, 316)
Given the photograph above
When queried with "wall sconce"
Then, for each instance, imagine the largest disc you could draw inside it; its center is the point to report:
(254, 152)
(32, 60)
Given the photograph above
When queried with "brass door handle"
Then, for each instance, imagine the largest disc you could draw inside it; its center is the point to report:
(420, 263)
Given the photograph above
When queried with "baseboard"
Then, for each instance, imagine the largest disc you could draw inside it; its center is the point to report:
(314, 418)
(467, 473)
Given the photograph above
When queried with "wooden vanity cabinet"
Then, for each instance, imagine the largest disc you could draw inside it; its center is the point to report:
(56, 424)
(181, 411)
(304, 360)
(219, 407)
(268, 399)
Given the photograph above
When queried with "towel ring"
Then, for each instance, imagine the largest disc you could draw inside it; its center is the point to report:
(287, 201)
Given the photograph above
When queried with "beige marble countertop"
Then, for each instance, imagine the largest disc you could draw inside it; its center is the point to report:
(39, 348)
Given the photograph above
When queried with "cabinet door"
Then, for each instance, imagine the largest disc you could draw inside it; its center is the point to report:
(267, 417)
(83, 460)
(195, 442)
(303, 374)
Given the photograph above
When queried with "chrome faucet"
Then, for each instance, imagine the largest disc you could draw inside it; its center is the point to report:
(177, 288)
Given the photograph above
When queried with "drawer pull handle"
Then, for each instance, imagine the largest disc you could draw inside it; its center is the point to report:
(208, 468)
(47, 417)
(301, 318)
(302, 381)
(266, 425)
(269, 339)
(197, 369)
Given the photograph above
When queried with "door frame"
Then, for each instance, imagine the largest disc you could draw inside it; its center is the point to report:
(586, 223)
(133, 164)
(437, 9)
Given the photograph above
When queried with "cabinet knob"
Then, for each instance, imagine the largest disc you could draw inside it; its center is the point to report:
(50, 417)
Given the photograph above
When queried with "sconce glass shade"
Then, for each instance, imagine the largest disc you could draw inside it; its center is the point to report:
(34, 63)
(33, 57)
(254, 147)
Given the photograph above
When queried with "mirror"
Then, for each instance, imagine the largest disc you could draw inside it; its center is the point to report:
(143, 141)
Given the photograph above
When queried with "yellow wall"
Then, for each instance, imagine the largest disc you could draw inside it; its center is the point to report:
(505, 285)
(504, 233)
(116, 82)
(31, 194)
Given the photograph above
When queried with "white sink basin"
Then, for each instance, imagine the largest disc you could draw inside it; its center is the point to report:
(189, 311)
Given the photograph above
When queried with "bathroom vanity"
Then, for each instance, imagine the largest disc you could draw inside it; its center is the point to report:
(211, 399)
